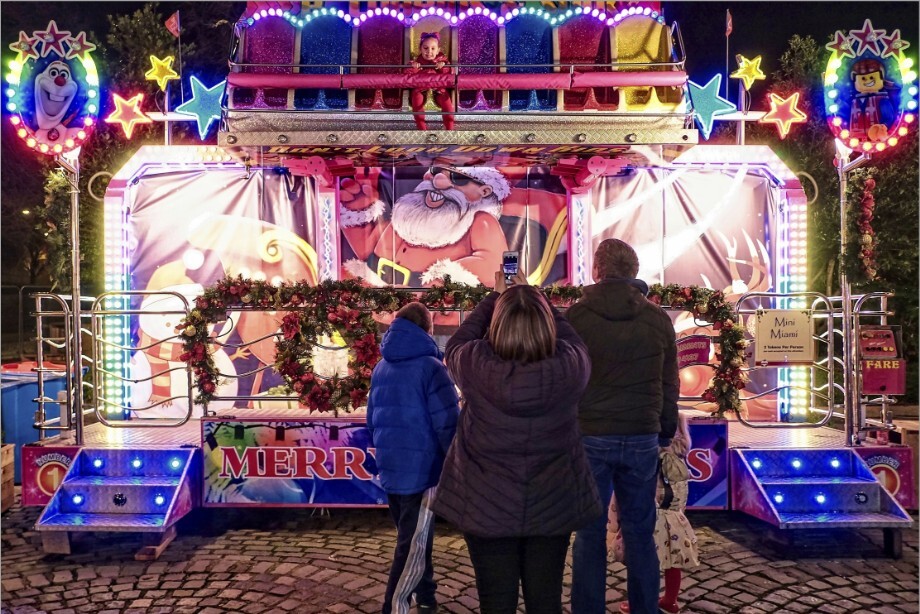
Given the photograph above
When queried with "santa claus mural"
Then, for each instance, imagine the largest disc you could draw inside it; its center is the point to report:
(447, 226)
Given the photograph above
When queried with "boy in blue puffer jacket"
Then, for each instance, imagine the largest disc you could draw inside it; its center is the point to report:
(412, 416)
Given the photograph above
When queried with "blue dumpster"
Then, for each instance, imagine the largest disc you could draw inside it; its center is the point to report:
(18, 391)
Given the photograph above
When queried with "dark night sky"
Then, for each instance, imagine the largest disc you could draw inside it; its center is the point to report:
(764, 28)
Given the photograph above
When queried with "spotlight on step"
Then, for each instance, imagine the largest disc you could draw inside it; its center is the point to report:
(820, 499)
(835, 463)
(159, 499)
(78, 499)
(796, 463)
(97, 463)
(175, 463)
(778, 497)
(756, 463)
(136, 463)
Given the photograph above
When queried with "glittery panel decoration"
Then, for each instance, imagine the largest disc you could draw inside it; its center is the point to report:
(268, 42)
(478, 44)
(325, 40)
(380, 41)
(586, 40)
(529, 40)
(577, 215)
(642, 39)
(329, 255)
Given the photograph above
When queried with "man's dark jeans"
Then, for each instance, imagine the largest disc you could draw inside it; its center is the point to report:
(626, 465)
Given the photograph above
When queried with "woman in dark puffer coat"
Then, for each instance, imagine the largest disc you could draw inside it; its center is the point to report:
(516, 480)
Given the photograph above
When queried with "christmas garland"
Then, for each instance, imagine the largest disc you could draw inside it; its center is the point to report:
(710, 306)
(868, 241)
(346, 308)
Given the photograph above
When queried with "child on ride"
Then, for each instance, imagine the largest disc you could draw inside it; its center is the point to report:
(430, 60)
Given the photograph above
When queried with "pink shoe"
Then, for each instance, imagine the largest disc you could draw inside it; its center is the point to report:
(624, 607)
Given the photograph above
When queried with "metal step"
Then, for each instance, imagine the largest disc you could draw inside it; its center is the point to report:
(816, 479)
(855, 520)
(142, 523)
(78, 497)
(120, 480)
(125, 462)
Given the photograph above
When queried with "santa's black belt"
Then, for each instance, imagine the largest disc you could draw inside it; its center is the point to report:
(392, 273)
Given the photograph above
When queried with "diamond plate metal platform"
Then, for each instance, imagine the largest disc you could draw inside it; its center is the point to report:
(268, 128)
(741, 435)
(100, 436)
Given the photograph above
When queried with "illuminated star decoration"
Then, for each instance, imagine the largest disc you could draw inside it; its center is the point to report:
(162, 71)
(204, 104)
(748, 71)
(784, 112)
(128, 113)
(25, 46)
(841, 45)
(707, 103)
(893, 44)
(868, 38)
(52, 39)
(79, 46)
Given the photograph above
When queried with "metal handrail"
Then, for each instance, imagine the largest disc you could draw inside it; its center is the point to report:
(816, 298)
(98, 313)
(40, 422)
(568, 66)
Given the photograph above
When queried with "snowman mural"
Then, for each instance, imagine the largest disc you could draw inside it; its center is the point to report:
(160, 388)
(55, 91)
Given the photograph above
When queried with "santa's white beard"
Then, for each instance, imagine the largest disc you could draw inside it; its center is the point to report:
(419, 224)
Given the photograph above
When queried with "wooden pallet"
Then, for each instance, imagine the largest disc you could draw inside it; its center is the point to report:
(7, 492)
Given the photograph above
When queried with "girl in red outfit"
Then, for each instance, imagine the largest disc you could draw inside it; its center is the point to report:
(430, 60)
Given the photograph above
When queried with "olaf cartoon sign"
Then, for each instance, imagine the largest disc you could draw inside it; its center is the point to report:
(53, 90)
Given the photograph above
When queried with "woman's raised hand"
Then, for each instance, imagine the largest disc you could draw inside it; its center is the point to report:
(518, 279)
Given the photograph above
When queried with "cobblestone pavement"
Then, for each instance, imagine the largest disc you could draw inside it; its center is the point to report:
(256, 561)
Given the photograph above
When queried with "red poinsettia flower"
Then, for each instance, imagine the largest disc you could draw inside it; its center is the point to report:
(290, 325)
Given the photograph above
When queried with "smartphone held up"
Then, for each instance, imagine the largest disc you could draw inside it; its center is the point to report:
(510, 264)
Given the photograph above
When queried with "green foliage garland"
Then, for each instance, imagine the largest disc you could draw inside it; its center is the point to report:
(346, 308)
(710, 306)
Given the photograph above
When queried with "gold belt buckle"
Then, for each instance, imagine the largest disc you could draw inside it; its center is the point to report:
(386, 262)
